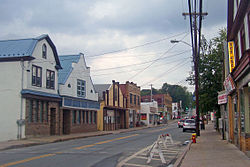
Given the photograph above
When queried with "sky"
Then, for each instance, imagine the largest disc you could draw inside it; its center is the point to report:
(122, 40)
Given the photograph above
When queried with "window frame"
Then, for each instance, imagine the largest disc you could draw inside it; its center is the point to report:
(35, 80)
(50, 79)
(44, 51)
(81, 88)
(242, 40)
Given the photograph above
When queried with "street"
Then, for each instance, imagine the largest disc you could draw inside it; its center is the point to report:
(103, 151)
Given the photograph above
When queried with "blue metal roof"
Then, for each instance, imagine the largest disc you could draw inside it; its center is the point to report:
(10, 49)
(17, 48)
(66, 63)
(38, 93)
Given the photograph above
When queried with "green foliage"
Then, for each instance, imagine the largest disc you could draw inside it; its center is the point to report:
(178, 93)
(211, 71)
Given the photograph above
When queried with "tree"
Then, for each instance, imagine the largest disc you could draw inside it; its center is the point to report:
(211, 72)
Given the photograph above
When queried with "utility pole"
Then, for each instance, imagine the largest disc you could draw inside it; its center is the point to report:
(151, 94)
(196, 49)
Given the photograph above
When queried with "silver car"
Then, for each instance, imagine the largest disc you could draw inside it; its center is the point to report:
(189, 124)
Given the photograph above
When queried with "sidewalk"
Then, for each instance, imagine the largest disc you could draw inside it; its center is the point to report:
(210, 150)
(52, 139)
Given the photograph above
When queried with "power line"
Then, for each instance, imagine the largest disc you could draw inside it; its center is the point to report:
(161, 58)
(154, 61)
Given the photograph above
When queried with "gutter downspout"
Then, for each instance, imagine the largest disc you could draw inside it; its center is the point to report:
(20, 121)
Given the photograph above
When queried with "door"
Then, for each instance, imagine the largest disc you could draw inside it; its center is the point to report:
(66, 121)
(52, 121)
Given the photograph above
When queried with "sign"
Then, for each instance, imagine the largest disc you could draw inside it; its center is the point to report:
(222, 98)
(144, 117)
(229, 84)
(231, 55)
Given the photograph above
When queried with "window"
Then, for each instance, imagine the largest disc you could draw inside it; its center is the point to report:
(44, 51)
(131, 96)
(94, 117)
(41, 112)
(36, 76)
(73, 117)
(242, 40)
(78, 118)
(81, 88)
(91, 117)
(134, 99)
(30, 110)
(50, 79)
(138, 100)
(46, 111)
(87, 117)
(37, 111)
(116, 94)
(83, 116)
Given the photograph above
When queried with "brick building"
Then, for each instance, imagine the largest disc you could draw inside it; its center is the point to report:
(132, 93)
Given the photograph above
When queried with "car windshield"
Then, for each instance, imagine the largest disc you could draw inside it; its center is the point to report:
(182, 120)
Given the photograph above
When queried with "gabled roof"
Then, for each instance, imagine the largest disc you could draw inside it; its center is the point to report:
(23, 49)
(100, 88)
(66, 62)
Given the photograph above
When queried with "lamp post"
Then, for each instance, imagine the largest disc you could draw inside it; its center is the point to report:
(195, 59)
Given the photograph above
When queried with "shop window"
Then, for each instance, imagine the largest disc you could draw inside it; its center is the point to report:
(36, 111)
(87, 117)
(78, 118)
(36, 76)
(30, 110)
(41, 112)
(46, 111)
(73, 117)
(83, 116)
(242, 111)
(94, 117)
(90, 117)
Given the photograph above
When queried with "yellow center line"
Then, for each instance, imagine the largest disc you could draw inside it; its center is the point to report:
(26, 160)
(49, 155)
(103, 142)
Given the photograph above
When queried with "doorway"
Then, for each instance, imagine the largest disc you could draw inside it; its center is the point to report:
(66, 121)
(52, 121)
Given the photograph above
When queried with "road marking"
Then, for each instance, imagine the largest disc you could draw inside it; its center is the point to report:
(49, 155)
(129, 164)
(103, 142)
(26, 160)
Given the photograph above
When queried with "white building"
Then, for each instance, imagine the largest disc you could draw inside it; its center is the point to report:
(79, 98)
(149, 112)
(29, 102)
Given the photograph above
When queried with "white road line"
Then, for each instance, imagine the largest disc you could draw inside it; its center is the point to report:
(129, 164)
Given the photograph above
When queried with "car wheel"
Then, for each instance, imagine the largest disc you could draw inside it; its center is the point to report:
(183, 130)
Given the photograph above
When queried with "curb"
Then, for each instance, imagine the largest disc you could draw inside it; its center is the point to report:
(72, 138)
(179, 160)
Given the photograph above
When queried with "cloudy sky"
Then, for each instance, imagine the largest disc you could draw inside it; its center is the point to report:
(121, 39)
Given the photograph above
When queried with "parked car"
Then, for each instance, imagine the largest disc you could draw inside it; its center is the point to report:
(180, 123)
(189, 124)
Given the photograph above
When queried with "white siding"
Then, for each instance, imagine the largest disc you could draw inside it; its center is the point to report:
(10, 99)
(80, 71)
(48, 63)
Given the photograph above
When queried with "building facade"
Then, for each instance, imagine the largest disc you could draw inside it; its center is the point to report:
(132, 94)
(29, 97)
(237, 81)
(79, 100)
(149, 113)
(164, 105)
(113, 112)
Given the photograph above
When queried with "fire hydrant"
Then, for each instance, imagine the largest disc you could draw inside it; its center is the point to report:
(194, 137)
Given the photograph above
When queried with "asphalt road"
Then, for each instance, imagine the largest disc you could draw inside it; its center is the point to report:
(101, 151)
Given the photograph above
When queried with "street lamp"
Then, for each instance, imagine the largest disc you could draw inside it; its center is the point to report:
(177, 41)
(195, 59)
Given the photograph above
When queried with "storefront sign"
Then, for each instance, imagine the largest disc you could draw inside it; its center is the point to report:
(222, 98)
(231, 55)
(144, 117)
(229, 84)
